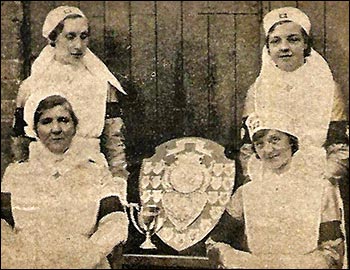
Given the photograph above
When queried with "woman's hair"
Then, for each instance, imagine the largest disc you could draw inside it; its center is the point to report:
(306, 37)
(49, 103)
(293, 141)
(59, 27)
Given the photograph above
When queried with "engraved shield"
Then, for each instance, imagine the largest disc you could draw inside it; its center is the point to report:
(191, 180)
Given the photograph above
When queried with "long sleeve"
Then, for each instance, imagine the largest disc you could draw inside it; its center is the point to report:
(235, 206)
(339, 111)
(112, 230)
(112, 221)
(114, 148)
(331, 234)
(112, 141)
(112, 144)
(337, 143)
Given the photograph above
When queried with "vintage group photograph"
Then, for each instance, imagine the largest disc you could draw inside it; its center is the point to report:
(174, 134)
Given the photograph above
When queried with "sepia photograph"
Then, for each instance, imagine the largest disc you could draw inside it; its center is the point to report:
(174, 134)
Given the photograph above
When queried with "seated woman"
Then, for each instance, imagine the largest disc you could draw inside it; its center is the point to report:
(57, 198)
(292, 214)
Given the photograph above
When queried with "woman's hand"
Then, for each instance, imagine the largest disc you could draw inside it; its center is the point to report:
(217, 253)
(222, 255)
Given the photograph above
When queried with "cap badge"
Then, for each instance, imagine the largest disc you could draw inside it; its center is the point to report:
(283, 15)
(66, 11)
(253, 123)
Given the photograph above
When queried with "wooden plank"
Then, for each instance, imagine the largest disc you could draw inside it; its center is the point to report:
(67, 3)
(171, 97)
(95, 12)
(225, 7)
(279, 4)
(11, 21)
(337, 42)
(247, 65)
(315, 11)
(143, 67)
(7, 109)
(264, 9)
(143, 8)
(222, 63)
(38, 13)
(117, 42)
(196, 68)
(9, 89)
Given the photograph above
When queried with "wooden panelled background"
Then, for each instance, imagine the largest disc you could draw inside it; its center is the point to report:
(186, 65)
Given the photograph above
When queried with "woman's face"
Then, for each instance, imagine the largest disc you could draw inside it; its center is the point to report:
(56, 129)
(274, 149)
(72, 42)
(286, 46)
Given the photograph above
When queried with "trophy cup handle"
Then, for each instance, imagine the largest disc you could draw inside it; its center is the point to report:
(132, 216)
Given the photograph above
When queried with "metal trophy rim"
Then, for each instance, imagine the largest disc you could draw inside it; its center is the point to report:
(147, 244)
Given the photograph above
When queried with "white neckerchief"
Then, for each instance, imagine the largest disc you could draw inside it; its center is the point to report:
(306, 94)
(51, 164)
(90, 61)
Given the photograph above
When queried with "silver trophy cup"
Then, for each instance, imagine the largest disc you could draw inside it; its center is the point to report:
(147, 222)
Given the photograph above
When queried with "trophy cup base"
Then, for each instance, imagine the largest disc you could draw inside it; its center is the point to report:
(148, 245)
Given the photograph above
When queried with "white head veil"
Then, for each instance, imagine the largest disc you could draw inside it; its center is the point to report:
(306, 93)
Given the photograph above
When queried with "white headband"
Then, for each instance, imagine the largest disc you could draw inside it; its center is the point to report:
(30, 108)
(286, 13)
(271, 120)
(57, 15)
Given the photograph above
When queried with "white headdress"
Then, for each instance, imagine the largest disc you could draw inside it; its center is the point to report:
(57, 15)
(271, 120)
(30, 108)
(90, 60)
(286, 13)
(89, 148)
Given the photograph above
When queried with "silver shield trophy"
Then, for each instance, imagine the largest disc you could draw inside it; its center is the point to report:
(147, 222)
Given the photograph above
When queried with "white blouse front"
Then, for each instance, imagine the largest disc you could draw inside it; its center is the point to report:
(55, 203)
(283, 213)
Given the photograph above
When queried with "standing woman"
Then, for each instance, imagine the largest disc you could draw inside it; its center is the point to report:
(57, 198)
(295, 79)
(66, 66)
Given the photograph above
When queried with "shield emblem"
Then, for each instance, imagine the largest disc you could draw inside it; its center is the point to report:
(191, 193)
